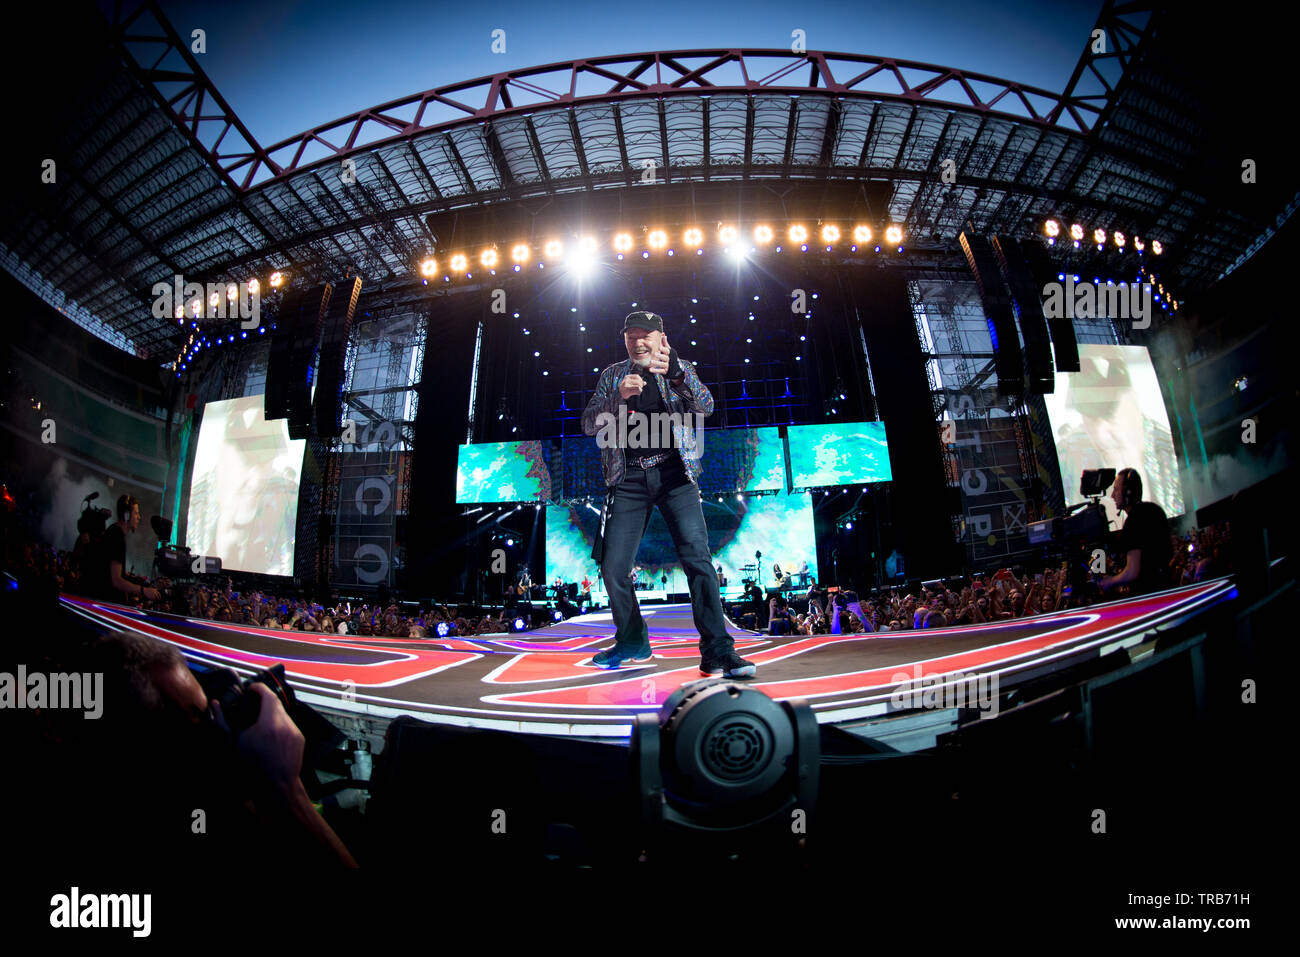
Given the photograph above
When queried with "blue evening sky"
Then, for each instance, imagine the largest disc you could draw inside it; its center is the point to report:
(286, 67)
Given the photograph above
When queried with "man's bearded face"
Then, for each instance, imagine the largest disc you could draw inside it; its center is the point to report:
(641, 344)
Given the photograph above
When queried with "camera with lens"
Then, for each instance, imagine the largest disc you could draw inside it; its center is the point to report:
(1076, 536)
(93, 521)
(240, 705)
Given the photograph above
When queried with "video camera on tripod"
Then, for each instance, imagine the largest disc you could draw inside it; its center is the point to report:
(1083, 529)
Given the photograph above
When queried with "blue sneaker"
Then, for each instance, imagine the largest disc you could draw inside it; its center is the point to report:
(616, 656)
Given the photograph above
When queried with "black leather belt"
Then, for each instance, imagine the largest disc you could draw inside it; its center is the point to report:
(649, 461)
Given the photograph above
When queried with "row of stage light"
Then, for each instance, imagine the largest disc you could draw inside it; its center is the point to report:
(1101, 238)
(658, 241)
(587, 248)
(198, 339)
(537, 354)
(1167, 303)
(1052, 229)
(276, 281)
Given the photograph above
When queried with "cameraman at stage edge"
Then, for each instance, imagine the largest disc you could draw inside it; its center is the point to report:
(105, 572)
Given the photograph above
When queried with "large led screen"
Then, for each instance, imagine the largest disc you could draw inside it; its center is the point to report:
(848, 453)
(503, 472)
(779, 526)
(1110, 414)
(742, 460)
(244, 493)
(732, 460)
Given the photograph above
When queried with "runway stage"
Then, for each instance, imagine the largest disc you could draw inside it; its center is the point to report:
(543, 681)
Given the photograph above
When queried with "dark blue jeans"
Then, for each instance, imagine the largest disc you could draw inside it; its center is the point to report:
(678, 498)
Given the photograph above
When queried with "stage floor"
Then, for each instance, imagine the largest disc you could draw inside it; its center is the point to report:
(544, 682)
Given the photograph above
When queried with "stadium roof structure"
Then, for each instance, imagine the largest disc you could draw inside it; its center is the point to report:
(159, 177)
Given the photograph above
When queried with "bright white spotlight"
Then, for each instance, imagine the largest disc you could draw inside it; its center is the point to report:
(893, 235)
(580, 263)
(429, 267)
(459, 262)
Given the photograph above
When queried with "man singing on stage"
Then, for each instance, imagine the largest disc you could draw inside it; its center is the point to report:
(654, 387)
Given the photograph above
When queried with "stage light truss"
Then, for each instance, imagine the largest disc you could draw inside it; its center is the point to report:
(1022, 155)
(620, 243)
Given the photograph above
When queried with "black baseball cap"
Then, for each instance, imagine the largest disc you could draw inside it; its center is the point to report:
(641, 319)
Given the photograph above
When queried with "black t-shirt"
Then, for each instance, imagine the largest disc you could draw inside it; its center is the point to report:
(647, 403)
(651, 401)
(112, 548)
(1146, 529)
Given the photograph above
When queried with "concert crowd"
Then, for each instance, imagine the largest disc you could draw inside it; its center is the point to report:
(1005, 594)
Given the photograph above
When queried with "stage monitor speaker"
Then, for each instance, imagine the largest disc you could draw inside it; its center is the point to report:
(1008, 361)
(330, 369)
(299, 316)
(1064, 344)
(1039, 377)
(431, 774)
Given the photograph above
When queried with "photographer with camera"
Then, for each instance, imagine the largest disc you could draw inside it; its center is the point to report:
(226, 746)
(107, 565)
